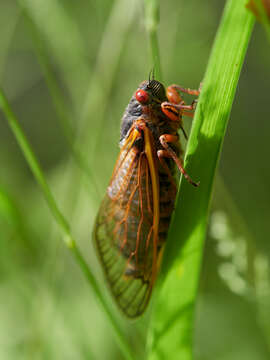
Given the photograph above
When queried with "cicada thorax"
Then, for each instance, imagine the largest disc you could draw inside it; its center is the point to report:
(133, 220)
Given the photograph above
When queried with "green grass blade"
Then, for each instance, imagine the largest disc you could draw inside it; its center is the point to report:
(171, 328)
(151, 24)
(61, 221)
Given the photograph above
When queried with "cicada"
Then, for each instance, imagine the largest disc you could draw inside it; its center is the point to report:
(133, 220)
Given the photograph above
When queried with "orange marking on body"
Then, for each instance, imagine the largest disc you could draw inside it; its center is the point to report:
(171, 111)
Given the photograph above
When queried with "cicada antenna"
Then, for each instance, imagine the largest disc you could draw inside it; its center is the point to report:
(151, 75)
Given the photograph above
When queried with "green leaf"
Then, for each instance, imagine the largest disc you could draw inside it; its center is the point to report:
(170, 333)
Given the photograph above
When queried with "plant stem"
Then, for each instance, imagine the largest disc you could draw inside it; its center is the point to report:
(151, 24)
(61, 221)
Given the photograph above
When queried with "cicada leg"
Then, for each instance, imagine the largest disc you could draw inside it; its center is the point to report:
(176, 105)
(165, 139)
(174, 113)
(174, 96)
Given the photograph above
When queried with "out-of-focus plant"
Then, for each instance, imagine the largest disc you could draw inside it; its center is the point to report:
(233, 269)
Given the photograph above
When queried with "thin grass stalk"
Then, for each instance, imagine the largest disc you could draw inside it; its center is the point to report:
(63, 115)
(151, 24)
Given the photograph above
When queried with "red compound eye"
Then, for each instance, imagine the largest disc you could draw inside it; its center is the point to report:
(142, 96)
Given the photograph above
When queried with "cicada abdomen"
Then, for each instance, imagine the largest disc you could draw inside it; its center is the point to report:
(134, 217)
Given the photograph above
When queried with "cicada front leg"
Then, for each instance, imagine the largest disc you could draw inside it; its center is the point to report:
(174, 113)
(176, 107)
(165, 139)
(173, 92)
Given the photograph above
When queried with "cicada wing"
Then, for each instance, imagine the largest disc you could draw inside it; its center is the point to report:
(124, 233)
(130, 292)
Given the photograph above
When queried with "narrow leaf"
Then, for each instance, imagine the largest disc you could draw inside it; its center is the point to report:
(170, 335)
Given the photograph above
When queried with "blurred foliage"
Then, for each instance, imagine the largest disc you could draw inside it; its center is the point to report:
(98, 55)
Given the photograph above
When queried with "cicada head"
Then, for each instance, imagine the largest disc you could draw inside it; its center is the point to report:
(149, 94)
(150, 91)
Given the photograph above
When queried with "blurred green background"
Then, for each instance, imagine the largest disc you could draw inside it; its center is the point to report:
(69, 69)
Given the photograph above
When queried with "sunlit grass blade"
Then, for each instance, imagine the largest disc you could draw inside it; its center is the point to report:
(173, 314)
(60, 219)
